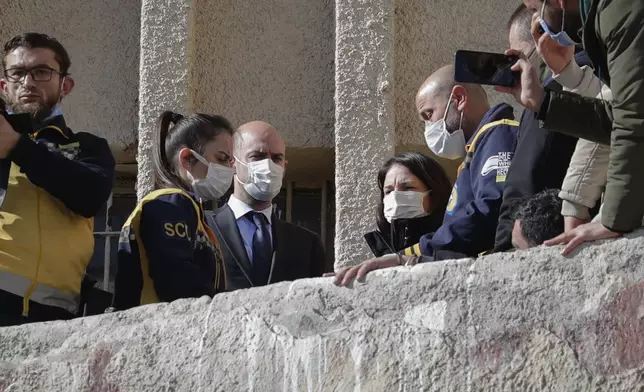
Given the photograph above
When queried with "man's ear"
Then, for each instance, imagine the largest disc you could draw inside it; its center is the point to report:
(3, 85)
(459, 93)
(67, 87)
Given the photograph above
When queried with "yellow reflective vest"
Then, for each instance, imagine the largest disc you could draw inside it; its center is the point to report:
(167, 252)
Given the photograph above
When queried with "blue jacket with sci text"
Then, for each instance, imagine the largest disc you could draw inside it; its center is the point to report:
(472, 214)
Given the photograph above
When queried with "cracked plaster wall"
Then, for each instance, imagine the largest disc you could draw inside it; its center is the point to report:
(521, 321)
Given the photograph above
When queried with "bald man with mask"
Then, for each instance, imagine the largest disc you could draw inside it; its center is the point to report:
(258, 248)
(455, 114)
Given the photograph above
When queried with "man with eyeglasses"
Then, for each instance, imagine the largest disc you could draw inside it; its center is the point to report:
(58, 180)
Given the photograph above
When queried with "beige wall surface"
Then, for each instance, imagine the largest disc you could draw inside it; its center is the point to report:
(165, 59)
(102, 38)
(428, 33)
(268, 60)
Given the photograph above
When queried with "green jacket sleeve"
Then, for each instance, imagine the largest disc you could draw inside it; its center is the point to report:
(622, 31)
(574, 115)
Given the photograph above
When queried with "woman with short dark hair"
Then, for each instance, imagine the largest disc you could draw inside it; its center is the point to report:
(414, 191)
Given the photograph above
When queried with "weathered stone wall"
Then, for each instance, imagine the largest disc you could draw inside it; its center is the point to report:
(271, 61)
(165, 59)
(523, 321)
(267, 60)
(364, 118)
(102, 38)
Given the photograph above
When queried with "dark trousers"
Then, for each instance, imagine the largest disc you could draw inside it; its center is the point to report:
(11, 311)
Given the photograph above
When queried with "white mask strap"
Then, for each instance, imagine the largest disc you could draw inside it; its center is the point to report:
(237, 159)
(449, 102)
(200, 158)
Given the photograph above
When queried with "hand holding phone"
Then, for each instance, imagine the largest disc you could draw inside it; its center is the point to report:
(555, 56)
(485, 68)
(20, 122)
(529, 91)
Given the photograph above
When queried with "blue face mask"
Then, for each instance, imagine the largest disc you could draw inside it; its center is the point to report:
(562, 38)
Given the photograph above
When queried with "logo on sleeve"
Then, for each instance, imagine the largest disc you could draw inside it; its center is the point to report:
(69, 151)
(505, 158)
(453, 198)
(491, 164)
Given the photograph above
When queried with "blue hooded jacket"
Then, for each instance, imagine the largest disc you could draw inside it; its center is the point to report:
(472, 213)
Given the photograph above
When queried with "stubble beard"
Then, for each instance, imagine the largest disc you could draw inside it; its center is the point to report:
(37, 110)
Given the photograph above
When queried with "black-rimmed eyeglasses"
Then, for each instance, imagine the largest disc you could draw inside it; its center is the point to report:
(38, 74)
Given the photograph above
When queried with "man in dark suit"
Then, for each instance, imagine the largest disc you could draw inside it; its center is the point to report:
(258, 248)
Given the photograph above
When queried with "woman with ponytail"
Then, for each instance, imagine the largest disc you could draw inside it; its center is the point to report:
(166, 250)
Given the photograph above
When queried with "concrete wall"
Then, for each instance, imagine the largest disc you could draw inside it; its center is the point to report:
(523, 321)
(165, 59)
(102, 38)
(271, 61)
(268, 60)
(364, 128)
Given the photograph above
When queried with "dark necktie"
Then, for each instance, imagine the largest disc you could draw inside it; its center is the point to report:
(262, 249)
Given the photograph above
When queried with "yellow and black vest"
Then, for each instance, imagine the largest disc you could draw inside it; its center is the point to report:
(44, 247)
(134, 284)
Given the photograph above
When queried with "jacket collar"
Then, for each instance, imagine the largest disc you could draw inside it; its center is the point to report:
(57, 124)
(595, 49)
(498, 112)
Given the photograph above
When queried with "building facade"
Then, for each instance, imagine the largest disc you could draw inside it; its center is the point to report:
(336, 78)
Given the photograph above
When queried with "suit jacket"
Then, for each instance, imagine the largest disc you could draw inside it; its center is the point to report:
(297, 252)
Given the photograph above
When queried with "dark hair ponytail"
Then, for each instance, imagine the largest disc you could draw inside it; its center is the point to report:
(175, 132)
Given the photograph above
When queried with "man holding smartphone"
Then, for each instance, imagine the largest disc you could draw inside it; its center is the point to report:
(613, 37)
(58, 181)
(545, 155)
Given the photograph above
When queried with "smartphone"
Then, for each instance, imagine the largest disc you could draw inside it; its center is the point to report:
(20, 122)
(485, 68)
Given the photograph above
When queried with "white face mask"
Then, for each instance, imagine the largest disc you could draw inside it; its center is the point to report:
(404, 205)
(264, 179)
(441, 142)
(217, 181)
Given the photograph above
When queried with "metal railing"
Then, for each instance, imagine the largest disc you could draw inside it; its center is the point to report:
(107, 255)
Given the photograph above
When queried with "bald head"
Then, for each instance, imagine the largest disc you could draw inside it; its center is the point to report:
(440, 82)
(260, 135)
(256, 141)
(468, 100)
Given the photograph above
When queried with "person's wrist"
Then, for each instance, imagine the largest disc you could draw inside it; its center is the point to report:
(560, 67)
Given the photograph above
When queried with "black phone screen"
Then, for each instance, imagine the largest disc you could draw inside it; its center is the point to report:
(20, 122)
(485, 68)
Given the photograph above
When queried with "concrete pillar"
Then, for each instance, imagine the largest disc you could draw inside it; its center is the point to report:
(364, 115)
(164, 67)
